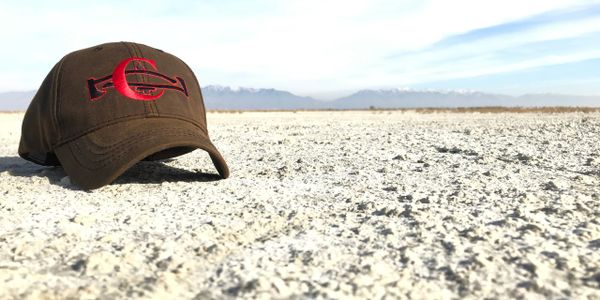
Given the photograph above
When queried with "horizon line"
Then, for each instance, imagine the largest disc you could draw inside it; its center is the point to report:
(406, 89)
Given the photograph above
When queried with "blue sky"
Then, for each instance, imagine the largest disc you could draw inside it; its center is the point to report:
(322, 48)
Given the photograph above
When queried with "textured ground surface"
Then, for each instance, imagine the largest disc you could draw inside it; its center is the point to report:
(321, 204)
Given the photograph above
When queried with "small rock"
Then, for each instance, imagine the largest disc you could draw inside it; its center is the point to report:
(497, 223)
(386, 231)
(589, 161)
(550, 186)
(529, 267)
(523, 157)
(595, 244)
(362, 206)
(550, 254)
(443, 149)
(390, 189)
(385, 212)
(425, 200)
(408, 197)
(79, 265)
(528, 285)
(530, 227)
(448, 246)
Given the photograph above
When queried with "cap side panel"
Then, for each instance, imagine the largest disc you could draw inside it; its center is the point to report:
(38, 132)
(201, 97)
(56, 99)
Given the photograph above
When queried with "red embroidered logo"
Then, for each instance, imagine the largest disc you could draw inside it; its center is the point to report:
(143, 91)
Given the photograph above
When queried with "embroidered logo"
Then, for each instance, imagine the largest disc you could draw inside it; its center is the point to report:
(143, 91)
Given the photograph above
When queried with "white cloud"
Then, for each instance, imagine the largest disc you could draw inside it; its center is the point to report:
(303, 46)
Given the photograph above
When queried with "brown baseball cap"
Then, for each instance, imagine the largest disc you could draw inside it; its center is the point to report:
(102, 109)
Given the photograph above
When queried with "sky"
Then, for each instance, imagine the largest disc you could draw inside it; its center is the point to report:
(325, 49)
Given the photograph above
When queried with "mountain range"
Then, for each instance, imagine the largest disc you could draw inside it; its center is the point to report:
(222, 98)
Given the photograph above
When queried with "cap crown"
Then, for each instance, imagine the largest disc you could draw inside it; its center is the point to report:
(106, 84)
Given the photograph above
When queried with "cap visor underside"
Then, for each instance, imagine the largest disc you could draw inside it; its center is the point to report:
(99, 157)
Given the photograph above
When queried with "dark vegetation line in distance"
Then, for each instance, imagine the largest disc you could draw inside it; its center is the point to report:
(423, 110)
(428, 110)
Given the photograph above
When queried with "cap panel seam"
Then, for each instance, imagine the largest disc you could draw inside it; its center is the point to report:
(57, 100)
(147, 108)
(147, 104)
(151, 104)
(131, 48)
(199, 90)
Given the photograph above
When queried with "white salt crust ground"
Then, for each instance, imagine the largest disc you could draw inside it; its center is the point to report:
(321, 204)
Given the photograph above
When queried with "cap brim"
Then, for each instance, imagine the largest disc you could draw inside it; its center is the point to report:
(99, 157)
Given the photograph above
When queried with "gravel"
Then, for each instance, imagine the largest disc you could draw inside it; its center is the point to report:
(368, 204)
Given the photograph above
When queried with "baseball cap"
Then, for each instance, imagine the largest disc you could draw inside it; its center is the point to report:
(102, 109)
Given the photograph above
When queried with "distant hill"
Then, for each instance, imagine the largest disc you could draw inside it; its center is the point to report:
(221, 97)
(407, 98)
(557, 100)
(216, 97)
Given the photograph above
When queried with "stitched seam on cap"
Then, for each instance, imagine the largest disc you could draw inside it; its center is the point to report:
(199, 89)
(123, 119)
(132, 53)
(141, 78)
(138, 134)
(56, 95)
(107, 160)
(128, 142)
(151, 104)
(148, 104)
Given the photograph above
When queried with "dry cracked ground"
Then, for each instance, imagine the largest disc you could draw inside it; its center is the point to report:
(378, 205)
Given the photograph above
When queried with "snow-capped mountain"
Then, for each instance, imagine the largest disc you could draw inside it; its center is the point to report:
(223, 97)
(220, 97)
(400, 98)
(397, 98)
